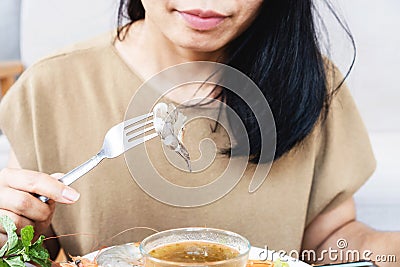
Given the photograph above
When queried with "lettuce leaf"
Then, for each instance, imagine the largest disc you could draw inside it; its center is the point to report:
(16, 251)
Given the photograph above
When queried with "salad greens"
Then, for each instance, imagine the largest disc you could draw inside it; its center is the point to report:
(16, 251)
(280, 263)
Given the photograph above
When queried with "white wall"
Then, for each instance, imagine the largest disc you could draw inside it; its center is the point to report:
(375, 80)
(48, 25)
(375, 84)
(9, 29)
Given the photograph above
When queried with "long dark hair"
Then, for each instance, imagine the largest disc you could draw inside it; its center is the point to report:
(281, 53)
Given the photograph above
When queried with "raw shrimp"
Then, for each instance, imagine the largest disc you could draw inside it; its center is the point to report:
(168, 123)
(126, 255)
(80, 262)
(258, 263)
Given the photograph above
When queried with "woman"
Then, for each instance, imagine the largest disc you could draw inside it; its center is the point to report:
(57, 113)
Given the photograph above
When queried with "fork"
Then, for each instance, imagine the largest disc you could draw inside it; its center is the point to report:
(119, 139)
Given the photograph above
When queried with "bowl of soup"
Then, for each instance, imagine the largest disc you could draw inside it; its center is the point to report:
(195, 247)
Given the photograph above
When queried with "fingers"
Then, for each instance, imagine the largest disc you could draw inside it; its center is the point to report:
(57, 175)
(18, 203)
(39, 183)
(24, 204)
(3, 239)
(19, 221)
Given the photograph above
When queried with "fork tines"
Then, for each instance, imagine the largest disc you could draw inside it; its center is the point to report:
(132, 129)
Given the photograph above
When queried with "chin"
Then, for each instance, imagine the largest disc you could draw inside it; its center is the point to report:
(201, 45)
(202, 48)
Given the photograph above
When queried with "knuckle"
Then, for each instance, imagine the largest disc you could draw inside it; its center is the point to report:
(18, 220)
(46, 215)
(35, 181)
(32, 182)
(4, 173)
(23, 204)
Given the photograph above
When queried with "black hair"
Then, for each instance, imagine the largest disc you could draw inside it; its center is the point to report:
(281, 53)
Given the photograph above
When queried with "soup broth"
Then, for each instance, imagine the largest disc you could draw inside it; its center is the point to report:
(194, 252)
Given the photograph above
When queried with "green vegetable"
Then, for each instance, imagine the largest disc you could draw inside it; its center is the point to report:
(16, 251)
(279, 263)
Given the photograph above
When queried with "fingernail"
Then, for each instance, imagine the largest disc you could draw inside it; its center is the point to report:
(70, 194)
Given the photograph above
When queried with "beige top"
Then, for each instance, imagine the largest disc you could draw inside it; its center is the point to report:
(56, 116)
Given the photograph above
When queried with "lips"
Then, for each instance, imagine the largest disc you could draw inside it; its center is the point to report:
(202, 20)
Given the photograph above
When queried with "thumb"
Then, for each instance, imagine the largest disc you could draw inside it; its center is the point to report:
(75, 195)
(57, 175)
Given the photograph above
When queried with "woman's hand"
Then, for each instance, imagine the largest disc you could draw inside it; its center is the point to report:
(17, 201)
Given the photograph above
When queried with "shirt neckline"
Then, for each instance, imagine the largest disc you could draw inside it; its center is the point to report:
(122, 60)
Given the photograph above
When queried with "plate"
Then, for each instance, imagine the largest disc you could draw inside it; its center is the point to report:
(260, 254)
(126, 255)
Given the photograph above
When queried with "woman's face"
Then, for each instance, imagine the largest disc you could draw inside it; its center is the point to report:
(200, 25)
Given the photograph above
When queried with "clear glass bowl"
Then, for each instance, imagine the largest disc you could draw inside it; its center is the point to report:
(207, 235)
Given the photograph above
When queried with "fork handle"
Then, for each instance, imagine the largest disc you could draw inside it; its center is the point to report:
(78, 172)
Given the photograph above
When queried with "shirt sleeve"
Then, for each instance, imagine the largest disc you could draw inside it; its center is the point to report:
(17, 122)
(344, 158)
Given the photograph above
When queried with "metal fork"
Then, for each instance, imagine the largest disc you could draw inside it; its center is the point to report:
(119, 139)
